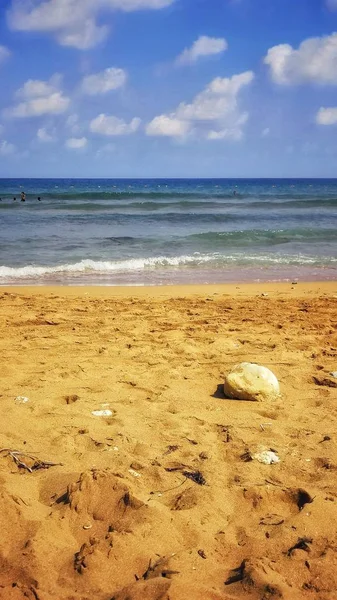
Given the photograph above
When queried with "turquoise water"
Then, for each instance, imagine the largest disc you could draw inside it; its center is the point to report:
(120, 232)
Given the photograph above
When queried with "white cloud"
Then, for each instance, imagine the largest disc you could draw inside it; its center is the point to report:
(6, 148)
(203, 46)
(107, 80)
(110, 125)
(76, 143)
(216, 107)
(40, 98)
(44, 136)
(4, 54)
(35, 88)
(314, 61)
(234, 132)
(168, 126)
(265, 132)
(54, 104)
(327, 116)
(73, 22)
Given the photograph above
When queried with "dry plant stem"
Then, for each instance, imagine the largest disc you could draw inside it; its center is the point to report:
(38, 464)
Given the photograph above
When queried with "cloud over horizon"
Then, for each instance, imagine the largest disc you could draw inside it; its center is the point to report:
(315, 61)
(213, 113)
(39, 98)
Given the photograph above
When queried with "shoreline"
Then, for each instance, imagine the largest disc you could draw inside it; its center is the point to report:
(293, 289)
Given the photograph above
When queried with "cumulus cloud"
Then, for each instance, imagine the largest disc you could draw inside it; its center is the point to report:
(34, 88)
(76, 143)
(168, 126)
(44, 136)
(40, 98)
(73, 22)
(214, 113)
(314, 61)
(234, 132)
(110, 125)
(6, 148)
(103, 82)
(203, 46)
(4, 54)
(327, 116)
(54, 104)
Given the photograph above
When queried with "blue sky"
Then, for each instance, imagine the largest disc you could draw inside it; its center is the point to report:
(168, 88)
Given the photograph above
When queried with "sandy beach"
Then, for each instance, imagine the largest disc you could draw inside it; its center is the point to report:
(156, 498)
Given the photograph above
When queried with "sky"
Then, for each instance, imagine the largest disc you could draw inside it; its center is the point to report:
(168, 88)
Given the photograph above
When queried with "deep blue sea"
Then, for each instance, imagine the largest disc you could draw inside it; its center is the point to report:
(161, 231)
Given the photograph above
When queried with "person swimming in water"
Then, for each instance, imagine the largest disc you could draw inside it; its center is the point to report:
(23, 197)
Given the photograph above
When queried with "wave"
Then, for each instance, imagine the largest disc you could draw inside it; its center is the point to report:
(214, 260)
(268, 237)
(169, 202)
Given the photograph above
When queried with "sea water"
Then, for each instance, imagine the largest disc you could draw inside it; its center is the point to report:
(162, 231)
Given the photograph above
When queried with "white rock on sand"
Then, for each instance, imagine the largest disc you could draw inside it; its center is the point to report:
(248, 381)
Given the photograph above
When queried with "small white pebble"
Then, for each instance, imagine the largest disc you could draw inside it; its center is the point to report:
(267, 457)
(102, 413)
(21, 400)
(134, 473)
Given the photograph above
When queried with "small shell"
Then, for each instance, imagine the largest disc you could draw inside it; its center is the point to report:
(89, 526)
(102, 413)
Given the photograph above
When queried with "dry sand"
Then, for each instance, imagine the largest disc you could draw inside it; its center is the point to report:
(119, 510)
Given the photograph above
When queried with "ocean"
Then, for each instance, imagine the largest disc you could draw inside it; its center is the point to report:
(166, 231)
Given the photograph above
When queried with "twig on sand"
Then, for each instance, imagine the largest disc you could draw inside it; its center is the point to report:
(169, 489)
(37, 464)
(157, 569)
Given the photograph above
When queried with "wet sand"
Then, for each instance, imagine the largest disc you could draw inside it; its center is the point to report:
(157, 500)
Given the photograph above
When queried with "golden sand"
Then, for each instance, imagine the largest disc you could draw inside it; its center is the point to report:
(160, 497)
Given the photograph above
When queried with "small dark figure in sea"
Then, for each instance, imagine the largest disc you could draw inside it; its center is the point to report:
(235, 193)
(14, 198)
(23, 197)
(39, 199)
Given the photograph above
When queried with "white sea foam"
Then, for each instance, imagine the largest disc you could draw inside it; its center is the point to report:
(91, 266)
(214, 260)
